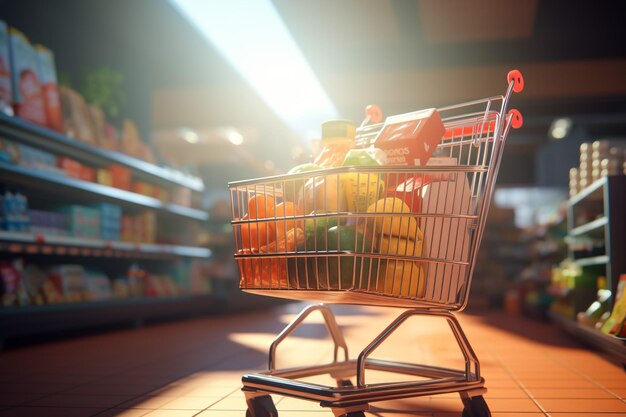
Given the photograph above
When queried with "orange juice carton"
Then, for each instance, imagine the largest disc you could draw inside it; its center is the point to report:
(6, 90)
(410, 139)
(50, 88)
(27, 94)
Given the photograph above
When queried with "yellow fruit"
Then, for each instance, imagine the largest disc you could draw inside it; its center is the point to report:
(402, 226)
(403, 246)
(402, 278)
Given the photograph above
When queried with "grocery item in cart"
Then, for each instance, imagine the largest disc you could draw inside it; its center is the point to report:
(443, 205)
(337, 140)
(362, 189)
(323, 194)
(410, 139)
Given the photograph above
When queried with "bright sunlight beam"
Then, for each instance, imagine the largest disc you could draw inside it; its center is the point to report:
(253, 38)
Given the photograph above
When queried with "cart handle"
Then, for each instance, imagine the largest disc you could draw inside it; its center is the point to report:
(517, 78)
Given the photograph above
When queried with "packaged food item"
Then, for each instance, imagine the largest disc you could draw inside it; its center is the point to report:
(448, 237)
(70, 167)
(27, 93)
(363, 188)
(104, 177)
(82, 221)
(410, 139)
(337, 139)
(36, 158)
(77, 119)
(110, 221)
(13, 291)
(121, 177)
(49, 88)
(69, 280)
(6, 90)
(97, 286)
(14, 212)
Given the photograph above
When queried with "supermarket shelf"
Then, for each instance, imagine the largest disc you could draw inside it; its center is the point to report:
(587, 191)
(611, 345)
(593, 260)
(33, 243)
(15, 173)
(36, 320)
(29, 134)
(589, 227)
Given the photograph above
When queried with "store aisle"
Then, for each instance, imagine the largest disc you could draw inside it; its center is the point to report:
(193, 368)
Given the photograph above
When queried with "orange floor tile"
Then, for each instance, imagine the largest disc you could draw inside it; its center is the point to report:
(194, 367)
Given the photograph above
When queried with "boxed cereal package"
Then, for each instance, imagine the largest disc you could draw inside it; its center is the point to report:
(27, 94)
(49, 87)
(6, 92)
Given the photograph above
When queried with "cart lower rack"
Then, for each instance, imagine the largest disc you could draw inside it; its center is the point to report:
(402, 236)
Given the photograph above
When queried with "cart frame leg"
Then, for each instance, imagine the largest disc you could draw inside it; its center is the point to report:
(468, 353)
(331, 325)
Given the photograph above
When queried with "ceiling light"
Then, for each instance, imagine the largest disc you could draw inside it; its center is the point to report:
(255, 41)
(234, 137)
(188, 135)
(560, 128)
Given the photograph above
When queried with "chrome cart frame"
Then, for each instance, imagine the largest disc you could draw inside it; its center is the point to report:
(429, 272)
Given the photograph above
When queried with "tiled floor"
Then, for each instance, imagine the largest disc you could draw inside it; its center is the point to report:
(194, 367)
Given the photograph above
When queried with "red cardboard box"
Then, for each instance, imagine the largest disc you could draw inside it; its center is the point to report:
(71, 167)
(410, 139)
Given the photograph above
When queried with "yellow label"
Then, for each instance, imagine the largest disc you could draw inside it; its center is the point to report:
(362, 190)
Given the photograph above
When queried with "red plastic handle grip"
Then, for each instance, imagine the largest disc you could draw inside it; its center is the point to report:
(373, 113)
(516, 118)
(518, 79)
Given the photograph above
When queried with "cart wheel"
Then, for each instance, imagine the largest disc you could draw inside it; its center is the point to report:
(476, 407)
(344, 383)
(354, 414)
(261, 407)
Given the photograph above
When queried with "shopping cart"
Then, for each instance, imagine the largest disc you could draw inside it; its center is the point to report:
(411, 242)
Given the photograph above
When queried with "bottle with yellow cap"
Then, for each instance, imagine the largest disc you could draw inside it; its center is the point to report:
(337, 140)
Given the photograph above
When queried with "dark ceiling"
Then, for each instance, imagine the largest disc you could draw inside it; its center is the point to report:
(403, 55)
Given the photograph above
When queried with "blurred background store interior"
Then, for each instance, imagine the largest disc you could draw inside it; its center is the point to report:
(222, 91)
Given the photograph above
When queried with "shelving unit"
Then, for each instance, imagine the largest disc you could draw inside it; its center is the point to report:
(596, 215)
(53, 188)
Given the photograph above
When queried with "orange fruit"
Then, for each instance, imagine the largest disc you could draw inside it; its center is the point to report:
(261, 206)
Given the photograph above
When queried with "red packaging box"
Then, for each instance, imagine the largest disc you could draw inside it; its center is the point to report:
(71, 167)
(87, 174)
(121, 177)
(49, 88)
(410, 139)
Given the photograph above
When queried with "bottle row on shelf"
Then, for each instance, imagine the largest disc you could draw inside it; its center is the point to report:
(98, 221)
(115, 175)
(598, 159)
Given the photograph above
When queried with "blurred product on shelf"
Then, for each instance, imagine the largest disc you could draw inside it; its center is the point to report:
(14, 216)
(140, 228)
(131, 143)
(77, 120)
(616, 323)
(48, 223)
(49, 88)
(82, 221)
(598, 159)
(6, 91)
(22, 285)
(28, 97)
(110, 221)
